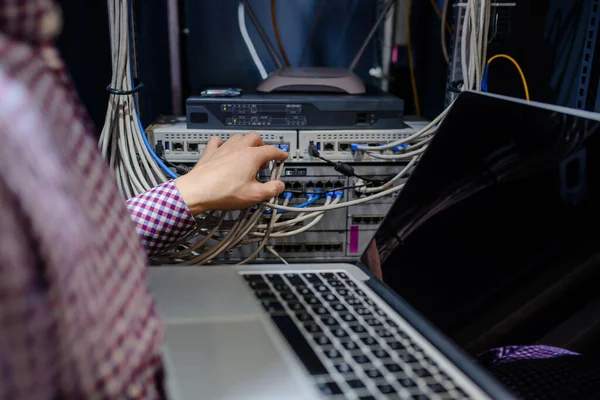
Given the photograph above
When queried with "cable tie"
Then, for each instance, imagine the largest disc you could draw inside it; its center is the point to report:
(120, 92)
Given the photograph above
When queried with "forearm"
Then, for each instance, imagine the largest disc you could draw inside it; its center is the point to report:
(161, 217)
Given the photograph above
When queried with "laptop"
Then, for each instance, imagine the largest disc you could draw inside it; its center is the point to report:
(499, 211)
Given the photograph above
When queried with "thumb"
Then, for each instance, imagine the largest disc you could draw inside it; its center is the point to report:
(268, 190)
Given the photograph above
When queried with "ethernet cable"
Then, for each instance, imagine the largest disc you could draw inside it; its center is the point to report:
(249, 44)
(138, 168)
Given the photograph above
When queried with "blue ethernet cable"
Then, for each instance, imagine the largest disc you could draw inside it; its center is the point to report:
(311, 199)
(156, 158)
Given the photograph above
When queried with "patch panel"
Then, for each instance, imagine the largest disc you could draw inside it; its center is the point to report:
(363, 221)
(182, 145)
(308, 247)
(341, 145)
(367, 219)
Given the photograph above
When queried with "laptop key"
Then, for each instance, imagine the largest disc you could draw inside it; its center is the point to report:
(333, 353)
(436, 387)
(373, 322)
(355, 302)
(339, 307)
(295, 306)
(301, 347)
(322, 288)
(340, 333)
(380, 312)
(312, 327)
(369, 301)
(273, 306)
(361, 359)
(383, 333)
(381, 353)
(344, 369)
(330, 297)
(321, 310)
(281, 287)
(351, 284)
(253, 278)
(391, 323)
(328, 275)
(289, 297)
(294, 279)
(304, 317)
(393, 367)
(373, 373)
(312, 278)
(305, 292)
(274, 278)
(348, 318)
(330, 321)
(386, 389)
(422, 372)
(350, 346)
(395, 345)
(360, 293)
(407, 382)
(266, 296)
(363, 311)
(355, 384)
(323, 340)
(336, 283)
(257, 286)
(408, 358)
(330, 389)
(313, 301)
(358, 329)
(369, 341)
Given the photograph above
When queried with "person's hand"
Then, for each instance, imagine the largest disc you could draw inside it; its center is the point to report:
(225, 177)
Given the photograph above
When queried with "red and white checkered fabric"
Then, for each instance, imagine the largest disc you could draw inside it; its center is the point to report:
(76, 317)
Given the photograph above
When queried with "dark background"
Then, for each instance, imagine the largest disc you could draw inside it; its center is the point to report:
(546, 37)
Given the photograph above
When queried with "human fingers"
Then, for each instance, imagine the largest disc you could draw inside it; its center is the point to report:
(213, 143)
(260, 192)
(265, 154)
(233, 139)
(253, 139)
(209, 150)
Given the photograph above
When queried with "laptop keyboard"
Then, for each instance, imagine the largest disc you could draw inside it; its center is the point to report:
(346, 342)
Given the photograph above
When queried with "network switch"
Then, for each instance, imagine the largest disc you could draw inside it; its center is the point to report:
(342, 234)
(182, 145)
(342, 145)
(309, 246)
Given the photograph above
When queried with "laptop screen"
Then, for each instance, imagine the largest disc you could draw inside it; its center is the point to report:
(493, 238)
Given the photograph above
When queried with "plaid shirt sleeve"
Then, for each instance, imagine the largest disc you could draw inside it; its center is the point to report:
(161, 217)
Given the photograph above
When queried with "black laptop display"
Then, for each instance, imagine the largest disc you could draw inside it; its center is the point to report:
(491, 238)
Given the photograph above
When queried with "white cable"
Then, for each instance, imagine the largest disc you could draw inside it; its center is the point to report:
(136, 170)
(432, 125)
(389, 183)
(276, 254)
(340, 205)
(248, 41)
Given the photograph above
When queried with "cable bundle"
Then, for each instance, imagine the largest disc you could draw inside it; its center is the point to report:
(138, 168)
(474, 41)
(123, 141)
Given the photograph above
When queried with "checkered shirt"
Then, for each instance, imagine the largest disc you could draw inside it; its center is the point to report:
(76, 317)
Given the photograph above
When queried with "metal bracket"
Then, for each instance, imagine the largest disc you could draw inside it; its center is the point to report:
(588, 57)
